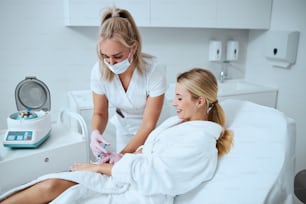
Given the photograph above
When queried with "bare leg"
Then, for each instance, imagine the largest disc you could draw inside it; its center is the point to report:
(42, 192)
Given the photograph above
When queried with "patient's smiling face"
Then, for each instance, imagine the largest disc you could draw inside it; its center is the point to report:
(186, 106)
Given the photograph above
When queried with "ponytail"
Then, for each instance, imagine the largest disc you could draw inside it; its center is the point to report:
(225, 141)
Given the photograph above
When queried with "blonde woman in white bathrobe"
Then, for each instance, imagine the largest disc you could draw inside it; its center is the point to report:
(176, 157)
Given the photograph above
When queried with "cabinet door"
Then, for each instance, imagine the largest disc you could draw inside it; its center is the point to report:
(140, 10)
(249, 14)
(182, 13)
(84, 13)
(24, 169)
(89, 13)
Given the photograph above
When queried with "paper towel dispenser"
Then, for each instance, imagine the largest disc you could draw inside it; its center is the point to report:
(281, 47)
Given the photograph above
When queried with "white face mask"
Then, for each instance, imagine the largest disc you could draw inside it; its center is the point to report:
(119, 67)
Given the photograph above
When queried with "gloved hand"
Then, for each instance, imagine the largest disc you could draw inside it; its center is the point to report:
(109, 157)
(97, 144)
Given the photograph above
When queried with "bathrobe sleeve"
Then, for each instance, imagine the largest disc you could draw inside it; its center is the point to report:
(179, 163)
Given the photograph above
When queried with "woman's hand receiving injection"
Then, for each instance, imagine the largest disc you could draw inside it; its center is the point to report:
(84, 167)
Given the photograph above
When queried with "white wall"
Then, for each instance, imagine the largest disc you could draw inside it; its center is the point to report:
(181, 49)
(286, 15)
(35, 42)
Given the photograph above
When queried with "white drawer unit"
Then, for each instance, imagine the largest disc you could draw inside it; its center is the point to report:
(63, 148)
(81, 102)
(266, 98)
(249, 91)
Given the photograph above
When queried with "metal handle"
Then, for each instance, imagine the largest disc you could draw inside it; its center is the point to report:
(78, 117)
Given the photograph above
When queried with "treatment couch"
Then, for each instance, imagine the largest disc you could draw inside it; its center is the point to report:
(261, 165)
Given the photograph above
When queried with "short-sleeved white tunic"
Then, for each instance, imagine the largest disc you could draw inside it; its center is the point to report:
(132, 102)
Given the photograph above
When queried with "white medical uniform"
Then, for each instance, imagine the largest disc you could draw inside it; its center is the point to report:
(132, 102)
(175, 160)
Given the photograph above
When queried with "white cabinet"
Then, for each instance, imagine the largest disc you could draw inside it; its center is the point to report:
(62, 149)
(250, 14)
(242, 14)
(82, 13)
(89, 13)
(182, 13)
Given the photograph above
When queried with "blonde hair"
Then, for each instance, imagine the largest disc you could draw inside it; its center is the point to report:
(118, 24)
(202, 83)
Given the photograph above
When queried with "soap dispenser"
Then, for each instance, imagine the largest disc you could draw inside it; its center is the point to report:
(232, 50)
(215, 50)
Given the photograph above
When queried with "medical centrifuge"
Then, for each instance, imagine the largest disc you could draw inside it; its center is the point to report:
(31, 125)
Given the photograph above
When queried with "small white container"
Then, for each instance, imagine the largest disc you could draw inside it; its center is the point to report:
(232, 50)
(215, 50)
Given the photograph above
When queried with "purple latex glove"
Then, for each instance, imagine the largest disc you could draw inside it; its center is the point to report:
(109, 157)
(97, 144)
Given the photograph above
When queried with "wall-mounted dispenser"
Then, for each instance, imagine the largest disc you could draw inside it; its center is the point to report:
(215, 50)
(281, 47)
(232, 50)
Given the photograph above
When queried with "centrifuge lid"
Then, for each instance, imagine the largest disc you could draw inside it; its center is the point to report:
(32, 94)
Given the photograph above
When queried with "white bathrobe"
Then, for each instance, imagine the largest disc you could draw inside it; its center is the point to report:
(176, 158)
